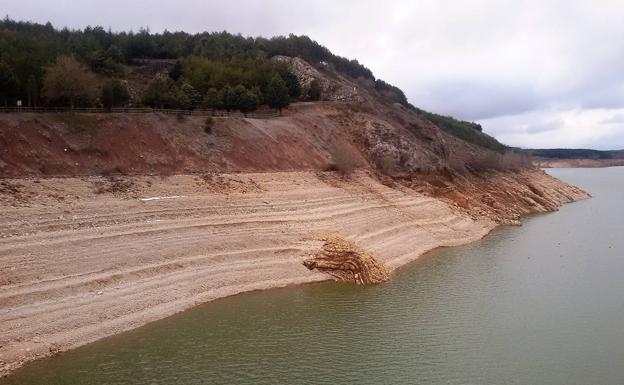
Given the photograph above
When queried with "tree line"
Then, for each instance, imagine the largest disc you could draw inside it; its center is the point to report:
(210, 66)
(67, 82)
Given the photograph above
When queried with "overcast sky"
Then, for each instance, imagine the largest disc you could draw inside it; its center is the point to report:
(543, 73)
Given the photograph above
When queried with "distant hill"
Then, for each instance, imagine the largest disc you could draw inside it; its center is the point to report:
(576, 153)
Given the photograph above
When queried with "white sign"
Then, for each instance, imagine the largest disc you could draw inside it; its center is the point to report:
(19, 103)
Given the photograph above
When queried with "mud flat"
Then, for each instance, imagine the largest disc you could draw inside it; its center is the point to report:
(85, 258)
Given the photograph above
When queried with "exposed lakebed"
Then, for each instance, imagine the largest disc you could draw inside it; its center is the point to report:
(537, 304)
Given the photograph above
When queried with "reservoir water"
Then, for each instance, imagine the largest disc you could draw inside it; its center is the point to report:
(538, 304)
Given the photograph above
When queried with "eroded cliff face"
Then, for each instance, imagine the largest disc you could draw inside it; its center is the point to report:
(503, 197)
(347, 262)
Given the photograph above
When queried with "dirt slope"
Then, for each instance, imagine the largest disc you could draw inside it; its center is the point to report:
(303, 139)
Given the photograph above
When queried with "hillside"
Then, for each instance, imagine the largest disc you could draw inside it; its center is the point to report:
(189, 71)
(354, 117)
(572, 158)
(115, 219)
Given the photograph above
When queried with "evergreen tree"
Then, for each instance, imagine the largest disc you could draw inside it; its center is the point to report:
(236, 96)
(32, 91)
(176, 71)
(256, 90)
(248, 102)
(294, 88)
(227, 97)
(213, 99)
(115, 53)
(277, 93)
(9, 84)
(193, 97)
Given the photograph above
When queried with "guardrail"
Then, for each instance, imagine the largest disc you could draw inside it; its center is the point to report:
(261, 114)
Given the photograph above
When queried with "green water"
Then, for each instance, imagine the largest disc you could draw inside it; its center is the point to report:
(537, 304)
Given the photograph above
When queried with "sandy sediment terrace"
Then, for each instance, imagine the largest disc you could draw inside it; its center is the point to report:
(84, 258)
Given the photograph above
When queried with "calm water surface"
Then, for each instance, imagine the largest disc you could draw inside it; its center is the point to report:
(537, 304)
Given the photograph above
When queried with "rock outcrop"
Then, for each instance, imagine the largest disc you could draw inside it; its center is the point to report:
(335, 88)
(347, 262)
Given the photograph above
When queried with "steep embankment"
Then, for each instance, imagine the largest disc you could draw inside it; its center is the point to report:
(84, 258)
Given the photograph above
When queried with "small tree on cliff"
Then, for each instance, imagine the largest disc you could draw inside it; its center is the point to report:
(69, 81)
(277, 93)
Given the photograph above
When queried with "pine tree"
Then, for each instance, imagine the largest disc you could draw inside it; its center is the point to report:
(248, 102)
(277, 94)
(213, 99)
(176, 71)
(32, 91)
(226, 97)
(294, 88)
(193, 97)
(9, 84)
(236, 96)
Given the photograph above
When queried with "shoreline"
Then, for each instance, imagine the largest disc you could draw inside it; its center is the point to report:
(77, 268)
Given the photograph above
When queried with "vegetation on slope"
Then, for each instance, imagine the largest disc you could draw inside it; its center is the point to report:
(215, 70)
(204, 60)
(468, 131)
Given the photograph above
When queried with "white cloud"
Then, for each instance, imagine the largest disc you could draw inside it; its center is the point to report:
(576, 128)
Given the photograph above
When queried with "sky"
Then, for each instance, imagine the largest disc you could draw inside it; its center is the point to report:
(534, 74)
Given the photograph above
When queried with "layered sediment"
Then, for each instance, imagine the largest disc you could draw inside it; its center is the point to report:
(85, 258)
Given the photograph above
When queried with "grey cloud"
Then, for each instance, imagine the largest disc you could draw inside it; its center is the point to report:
(473, 100)
(544, 126)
